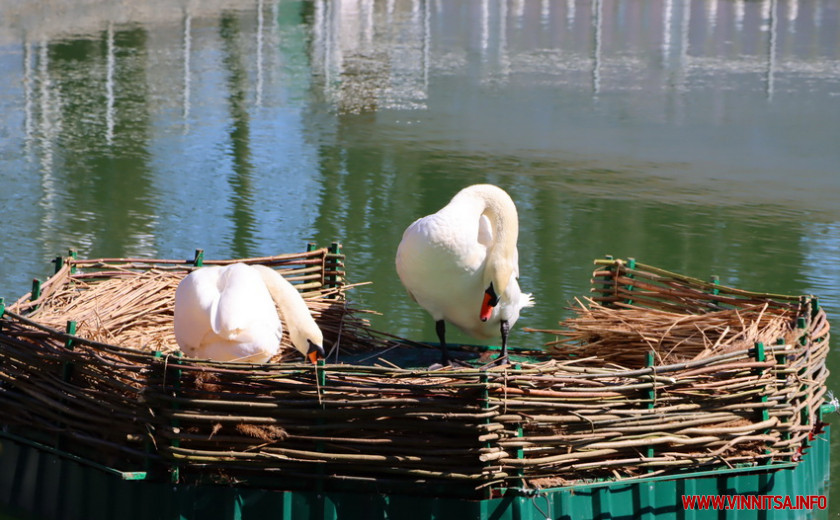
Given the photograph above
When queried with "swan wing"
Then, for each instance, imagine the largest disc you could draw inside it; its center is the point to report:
(195, 297)
(439, 265)
(244, 311)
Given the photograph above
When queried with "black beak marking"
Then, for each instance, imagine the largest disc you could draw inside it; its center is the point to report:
(315, 348)
(494, 298)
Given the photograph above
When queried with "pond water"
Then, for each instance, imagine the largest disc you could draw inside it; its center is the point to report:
(699, 136)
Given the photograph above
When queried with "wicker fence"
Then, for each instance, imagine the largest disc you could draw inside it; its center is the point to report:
(578, 417)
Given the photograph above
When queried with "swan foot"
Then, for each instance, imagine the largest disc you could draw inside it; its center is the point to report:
(449, 363)
(499, 361)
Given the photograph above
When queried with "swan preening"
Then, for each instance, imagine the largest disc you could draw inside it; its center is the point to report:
(461, 264)
(228, 313)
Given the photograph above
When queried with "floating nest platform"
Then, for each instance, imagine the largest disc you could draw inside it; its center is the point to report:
(656, 374)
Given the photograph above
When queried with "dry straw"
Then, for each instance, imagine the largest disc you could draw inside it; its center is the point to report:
(623, 334)
(130, 302)
(656, 374)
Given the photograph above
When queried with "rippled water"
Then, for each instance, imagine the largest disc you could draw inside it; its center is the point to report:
(699, 136)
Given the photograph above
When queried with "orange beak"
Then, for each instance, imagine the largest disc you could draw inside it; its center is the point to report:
(486, 308)
(313, 356)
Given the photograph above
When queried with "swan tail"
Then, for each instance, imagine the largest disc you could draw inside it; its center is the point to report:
(527, 300)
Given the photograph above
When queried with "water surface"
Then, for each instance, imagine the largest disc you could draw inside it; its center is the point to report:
(699, 136)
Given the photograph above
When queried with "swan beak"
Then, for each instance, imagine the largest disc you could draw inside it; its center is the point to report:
(490, 301)
(315, 352)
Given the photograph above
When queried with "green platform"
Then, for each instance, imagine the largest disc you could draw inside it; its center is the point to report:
(40, 482)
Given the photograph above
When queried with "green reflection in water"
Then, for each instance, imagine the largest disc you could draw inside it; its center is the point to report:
(242, 198)
(101, 161)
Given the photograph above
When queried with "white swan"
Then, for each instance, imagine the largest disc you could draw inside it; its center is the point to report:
(227, 313)
(461, 264)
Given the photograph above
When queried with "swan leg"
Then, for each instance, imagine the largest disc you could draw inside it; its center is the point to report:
(440, 328)
(504, 327)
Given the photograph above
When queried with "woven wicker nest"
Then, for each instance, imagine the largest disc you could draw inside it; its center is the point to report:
(656, 374)
(129, 302)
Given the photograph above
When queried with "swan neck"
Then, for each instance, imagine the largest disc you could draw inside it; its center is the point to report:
(292, 308)
(502, 257)
(288, 300)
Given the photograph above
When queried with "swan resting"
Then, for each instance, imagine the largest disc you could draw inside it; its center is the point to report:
(228, 313)
(461, 265)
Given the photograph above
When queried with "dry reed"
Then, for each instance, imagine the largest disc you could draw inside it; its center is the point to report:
(624, 334)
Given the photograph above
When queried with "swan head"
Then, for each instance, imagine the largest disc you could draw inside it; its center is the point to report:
(491, 299)
(497, 275)
(308, 339)
(315, 352)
